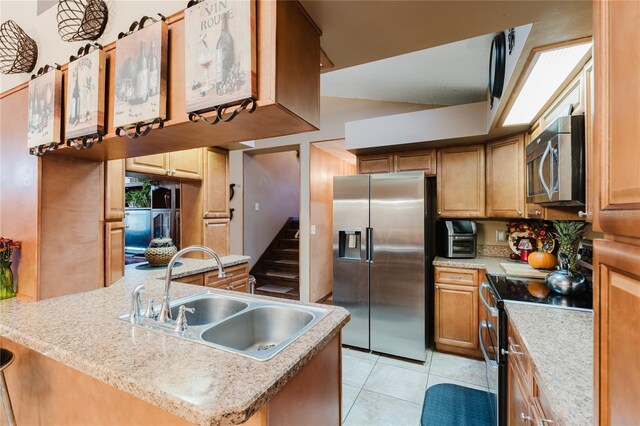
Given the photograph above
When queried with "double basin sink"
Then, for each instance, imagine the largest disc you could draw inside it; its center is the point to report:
(246, 325)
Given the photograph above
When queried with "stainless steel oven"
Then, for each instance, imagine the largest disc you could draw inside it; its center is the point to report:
(556, 165)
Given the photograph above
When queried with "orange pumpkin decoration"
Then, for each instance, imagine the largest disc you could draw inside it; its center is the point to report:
(542, 260)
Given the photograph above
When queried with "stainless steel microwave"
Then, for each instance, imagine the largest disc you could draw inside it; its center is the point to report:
(556, 164)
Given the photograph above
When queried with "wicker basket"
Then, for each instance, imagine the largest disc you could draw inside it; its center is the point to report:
(160, 251)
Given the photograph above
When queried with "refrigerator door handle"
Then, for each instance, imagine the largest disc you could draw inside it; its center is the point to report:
(370, 245)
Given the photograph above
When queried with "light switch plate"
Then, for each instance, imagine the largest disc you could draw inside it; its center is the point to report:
(313, 230)
(257, 206)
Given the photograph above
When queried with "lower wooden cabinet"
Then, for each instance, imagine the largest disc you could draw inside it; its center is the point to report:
(114, 252)
(217, 235)
(237, 279)
(456, 311)
(518, 406)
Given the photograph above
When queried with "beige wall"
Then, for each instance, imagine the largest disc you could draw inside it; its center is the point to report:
(487, 231)
(323, 167)
(273, 181)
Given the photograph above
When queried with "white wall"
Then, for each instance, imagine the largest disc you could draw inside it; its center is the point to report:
(43, 28)
(273, 181)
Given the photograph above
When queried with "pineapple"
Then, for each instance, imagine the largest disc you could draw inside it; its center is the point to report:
(568, 234)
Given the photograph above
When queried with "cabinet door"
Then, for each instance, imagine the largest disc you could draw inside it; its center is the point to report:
(456, 315)
(617, 325)
(518, 401)
(505, 178)
(155, 164)
(114, 252)
(114, 190)
(424, 160)
(461, 182)
(216, 184)
(216, 235)
(186, 164)
(617, 103)
(237, 278)
(377, 163)
(592, 185)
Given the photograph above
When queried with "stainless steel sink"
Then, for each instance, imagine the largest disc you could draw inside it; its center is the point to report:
(258, 330)
(242, 324)
(209, 310)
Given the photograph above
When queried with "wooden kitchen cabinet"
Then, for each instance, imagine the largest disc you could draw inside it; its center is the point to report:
(456, 311)
(375, 163)
(155, 164)
(185, 164)
(217, 235)
(114, 252)
(505, 191)
(519, 403)
(216, 184)
(237, 279)
(461, 181)
(114, 190)
(423, 160)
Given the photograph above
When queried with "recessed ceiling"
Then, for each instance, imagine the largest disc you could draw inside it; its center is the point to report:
(452, 74)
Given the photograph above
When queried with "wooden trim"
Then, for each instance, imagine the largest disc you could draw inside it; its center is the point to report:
(528, 67)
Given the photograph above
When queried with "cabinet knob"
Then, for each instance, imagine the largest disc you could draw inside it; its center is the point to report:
(439, 211)
(583, 214)
(519, 213)
(537, 212)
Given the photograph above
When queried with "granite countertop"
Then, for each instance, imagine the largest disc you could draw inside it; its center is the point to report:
(489, 263)
(559, 343)
(201, 384)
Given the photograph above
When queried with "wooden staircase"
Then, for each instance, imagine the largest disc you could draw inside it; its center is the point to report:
(277, 272)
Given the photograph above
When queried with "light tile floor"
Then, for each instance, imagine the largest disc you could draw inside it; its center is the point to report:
(379, 390)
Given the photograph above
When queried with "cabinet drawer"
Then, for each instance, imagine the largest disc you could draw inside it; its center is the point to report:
(237, 278)
(457, 276)
(197, 279)
(542, 405)
(518, 356)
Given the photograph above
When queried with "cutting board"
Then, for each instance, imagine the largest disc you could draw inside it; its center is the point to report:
(522, 270)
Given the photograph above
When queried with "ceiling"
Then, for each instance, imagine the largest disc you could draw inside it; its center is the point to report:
(451, 74)
(361, 31)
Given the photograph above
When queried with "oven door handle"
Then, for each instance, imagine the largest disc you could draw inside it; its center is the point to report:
(548, 190)
(490, 362)
(491, 309)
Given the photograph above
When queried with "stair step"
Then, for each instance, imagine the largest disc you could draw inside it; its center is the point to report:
(287, 250)
(288, 262)
(290, 240)
(277, 275)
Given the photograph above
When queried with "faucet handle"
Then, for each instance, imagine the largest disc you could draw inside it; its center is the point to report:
(150, 312)
(134, 315)
(181, 323)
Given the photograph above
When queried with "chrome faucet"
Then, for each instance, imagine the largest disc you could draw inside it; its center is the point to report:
(165, 311)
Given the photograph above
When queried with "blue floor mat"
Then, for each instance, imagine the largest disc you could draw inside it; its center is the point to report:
(452, 405)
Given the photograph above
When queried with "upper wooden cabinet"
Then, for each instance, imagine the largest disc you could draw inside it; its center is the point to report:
(114, 252)
(375, 163)
(114, 190)
(422, 160)
(461, 181)
(180, 164)
(216, 235)
(506, 177)
(216, 184)
(616, 125)
(287, 79)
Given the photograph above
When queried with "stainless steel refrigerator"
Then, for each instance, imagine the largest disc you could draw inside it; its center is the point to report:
(382, 254)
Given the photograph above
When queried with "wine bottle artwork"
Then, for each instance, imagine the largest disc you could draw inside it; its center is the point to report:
(141, 74)
(85, 95)
(45, 94)
(220, 64)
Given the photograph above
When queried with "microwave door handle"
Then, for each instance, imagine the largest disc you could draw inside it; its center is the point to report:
(540, 174)
(491, 362)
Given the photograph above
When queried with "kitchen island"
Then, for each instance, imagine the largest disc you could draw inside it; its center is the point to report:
(77, 363)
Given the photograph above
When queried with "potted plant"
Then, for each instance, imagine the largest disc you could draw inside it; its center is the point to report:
(6, 275)
(139, 198)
